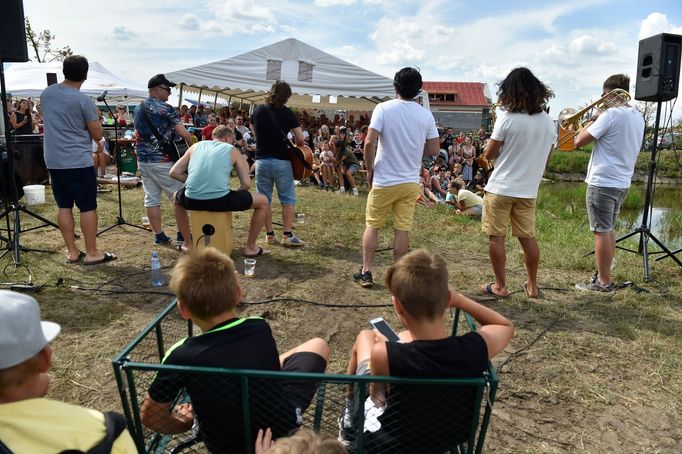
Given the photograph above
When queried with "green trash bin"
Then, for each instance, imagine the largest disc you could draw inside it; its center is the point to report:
(128, 161)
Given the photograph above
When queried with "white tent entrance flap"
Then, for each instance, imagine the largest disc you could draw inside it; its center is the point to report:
(317, 78)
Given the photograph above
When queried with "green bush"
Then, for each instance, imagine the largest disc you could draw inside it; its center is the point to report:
(669, 162)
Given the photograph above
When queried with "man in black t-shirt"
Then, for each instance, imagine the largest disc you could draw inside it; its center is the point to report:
(272, 121)
(227, 341)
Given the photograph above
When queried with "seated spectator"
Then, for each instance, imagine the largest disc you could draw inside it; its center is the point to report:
(207, 132)
(304, 441)
(121, 116)
(29, 422)
(348, 166)
(205, 169)
(200, 118)
(464, 200)
(101, 157)
(439, 184)
(208, 291)
(477, 185)
(357, 146)
(426, 198)
(418, 283)
(456, 171)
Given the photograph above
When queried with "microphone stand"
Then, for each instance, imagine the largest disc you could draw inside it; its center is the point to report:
(120, 220)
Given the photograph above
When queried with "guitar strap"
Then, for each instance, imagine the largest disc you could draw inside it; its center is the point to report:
(286, 141)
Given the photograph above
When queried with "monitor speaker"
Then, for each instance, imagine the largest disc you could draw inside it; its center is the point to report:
(13, 32)
(658, 68)
(51, 78)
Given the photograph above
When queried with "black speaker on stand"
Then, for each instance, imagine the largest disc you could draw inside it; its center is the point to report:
(658, 79)
(13, 48)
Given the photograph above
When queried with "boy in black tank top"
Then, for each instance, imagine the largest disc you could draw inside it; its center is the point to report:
(418, 283)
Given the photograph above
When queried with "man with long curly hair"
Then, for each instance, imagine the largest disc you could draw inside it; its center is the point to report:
(520, 144)
(271, 122)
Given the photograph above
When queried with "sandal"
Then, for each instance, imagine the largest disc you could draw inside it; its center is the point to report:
(540, 294)
(260, 252)
(107, 258)
(487, 289)
(81, 256)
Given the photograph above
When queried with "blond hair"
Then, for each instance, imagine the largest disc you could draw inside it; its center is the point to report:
(221, 132)
(419, 280)
(205, 282)
(305, 441)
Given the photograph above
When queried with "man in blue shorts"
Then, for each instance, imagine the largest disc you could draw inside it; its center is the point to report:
(71, 124)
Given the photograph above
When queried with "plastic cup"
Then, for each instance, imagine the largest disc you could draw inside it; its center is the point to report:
(145, 222)
(300, 217)
(249, 267)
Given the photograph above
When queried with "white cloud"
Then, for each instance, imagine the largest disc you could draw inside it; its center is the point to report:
(656, 23)
(189, 21)
(587, 44)
(328, 3)
(123, 34)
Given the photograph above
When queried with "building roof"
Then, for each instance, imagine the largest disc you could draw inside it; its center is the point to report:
(468, 93)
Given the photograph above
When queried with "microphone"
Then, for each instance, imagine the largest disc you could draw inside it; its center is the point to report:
(208, 230)
(101, 97)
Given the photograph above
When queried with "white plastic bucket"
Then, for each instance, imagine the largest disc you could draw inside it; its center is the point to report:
(34, 194)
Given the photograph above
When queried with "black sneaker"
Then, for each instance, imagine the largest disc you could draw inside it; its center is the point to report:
(179, 238)
(364, 279)
(162, 238)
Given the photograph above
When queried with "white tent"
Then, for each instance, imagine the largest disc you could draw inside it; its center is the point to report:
(317, 78)
(29, 80)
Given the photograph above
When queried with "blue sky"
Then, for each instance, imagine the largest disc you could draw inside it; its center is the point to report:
(570, 45)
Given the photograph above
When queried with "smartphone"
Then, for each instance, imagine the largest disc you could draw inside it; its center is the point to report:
(385, 329)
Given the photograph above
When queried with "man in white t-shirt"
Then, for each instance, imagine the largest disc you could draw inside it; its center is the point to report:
(405, 132)
(617, 135)
(520, 144)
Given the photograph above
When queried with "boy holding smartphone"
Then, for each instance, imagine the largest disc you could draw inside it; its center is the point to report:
(418, 283)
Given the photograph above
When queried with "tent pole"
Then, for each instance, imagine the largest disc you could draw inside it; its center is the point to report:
(215, 101)
(199, 100)
(180, 97)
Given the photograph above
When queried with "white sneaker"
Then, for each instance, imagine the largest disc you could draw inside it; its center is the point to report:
(341, 191)
(355, 192)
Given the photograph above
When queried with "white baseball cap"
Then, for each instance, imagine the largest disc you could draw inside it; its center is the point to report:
(22, 333)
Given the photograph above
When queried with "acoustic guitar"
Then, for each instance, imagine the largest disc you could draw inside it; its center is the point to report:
(301, 161)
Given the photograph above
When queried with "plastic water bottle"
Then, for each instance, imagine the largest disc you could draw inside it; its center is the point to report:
(157, 277)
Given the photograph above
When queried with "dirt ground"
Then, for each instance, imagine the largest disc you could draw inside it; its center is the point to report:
(582, 374)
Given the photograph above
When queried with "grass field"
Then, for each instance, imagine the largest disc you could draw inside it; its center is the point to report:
(584, 373)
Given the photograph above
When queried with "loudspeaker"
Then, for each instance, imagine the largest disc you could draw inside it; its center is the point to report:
(658, 68)
(51, 78)
(13, 32)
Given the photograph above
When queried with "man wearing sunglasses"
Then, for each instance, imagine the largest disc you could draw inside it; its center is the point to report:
(156, 119)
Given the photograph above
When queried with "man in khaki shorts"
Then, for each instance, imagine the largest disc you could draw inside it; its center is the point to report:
(405, 131)
(520, 144)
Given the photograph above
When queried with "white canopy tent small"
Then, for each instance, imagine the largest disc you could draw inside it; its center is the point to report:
(317, 79)
(29, 80)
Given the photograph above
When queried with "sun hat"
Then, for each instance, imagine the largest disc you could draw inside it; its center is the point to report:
(22, 333)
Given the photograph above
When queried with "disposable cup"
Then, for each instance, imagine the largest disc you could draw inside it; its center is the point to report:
(249, 267)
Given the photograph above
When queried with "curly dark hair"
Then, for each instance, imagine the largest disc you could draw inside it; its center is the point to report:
(521, 91)
(279, 93)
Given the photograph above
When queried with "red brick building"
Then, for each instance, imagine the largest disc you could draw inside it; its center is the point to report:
(464, 106)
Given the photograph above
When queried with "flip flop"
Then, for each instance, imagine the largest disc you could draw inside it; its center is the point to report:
(540, 294)
(260, 252)
(182, 248)
(107, 258)
(81, 256)
(488, 290)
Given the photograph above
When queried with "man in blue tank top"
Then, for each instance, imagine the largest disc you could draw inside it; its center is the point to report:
(205, 169)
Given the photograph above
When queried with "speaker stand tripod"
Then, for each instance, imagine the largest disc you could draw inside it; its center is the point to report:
(120, 220)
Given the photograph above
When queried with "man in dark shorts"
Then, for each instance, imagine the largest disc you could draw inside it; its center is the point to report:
(208, 291)
(71, 124)
(205, 169)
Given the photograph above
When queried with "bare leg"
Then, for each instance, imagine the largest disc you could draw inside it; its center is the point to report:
(268, 218)
(315, 345)
(67, 229)
(154, 215)
(531, 255)
(89, 229)
(260, 208)
(351, 179)
(362, 349)
(370, 240)
(288, 216)
(604, 250)
(498, 258)
(182, 219)
(401, 243)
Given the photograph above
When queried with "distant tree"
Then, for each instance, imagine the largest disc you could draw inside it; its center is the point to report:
(41, 43)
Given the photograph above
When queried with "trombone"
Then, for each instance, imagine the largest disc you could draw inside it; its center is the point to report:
(571, 121)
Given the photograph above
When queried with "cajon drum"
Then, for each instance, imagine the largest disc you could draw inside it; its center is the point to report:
(212, 229)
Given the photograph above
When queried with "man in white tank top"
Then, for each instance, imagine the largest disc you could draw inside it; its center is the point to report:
(617, 135)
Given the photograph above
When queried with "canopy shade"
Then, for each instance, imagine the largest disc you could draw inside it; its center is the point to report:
(314, 75)
(29, 80)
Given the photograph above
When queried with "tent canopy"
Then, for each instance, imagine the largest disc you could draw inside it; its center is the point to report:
(317, 78)
(29, 80)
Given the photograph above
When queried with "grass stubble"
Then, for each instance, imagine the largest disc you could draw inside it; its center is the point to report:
(586, 373)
